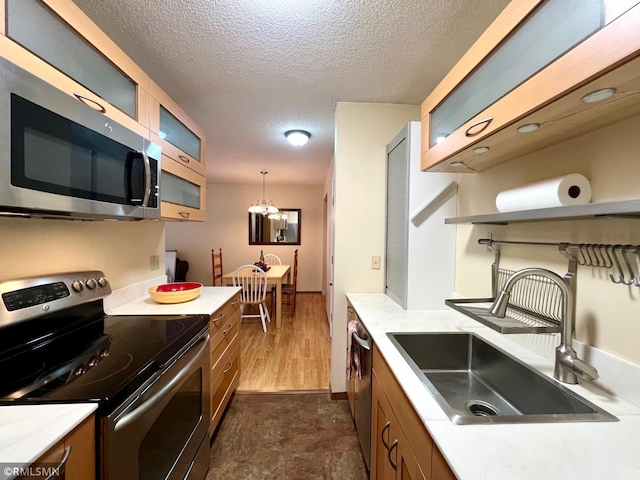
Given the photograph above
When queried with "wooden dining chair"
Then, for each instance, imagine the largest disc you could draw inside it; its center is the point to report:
(289, 290)
(216, 264)
(272, 259)
(253, 283)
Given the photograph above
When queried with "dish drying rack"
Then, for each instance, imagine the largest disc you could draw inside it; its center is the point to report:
(535, 304)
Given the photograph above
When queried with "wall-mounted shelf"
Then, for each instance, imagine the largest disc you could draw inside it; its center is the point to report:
(623, 209)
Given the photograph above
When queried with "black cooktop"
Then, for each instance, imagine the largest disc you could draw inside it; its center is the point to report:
(83, 355)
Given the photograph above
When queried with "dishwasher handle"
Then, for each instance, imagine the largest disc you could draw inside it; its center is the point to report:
(366, 344)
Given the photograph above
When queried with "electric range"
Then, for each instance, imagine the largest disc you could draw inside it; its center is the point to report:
(148, 373)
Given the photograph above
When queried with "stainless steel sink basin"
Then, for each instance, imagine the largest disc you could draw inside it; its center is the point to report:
(475, 382)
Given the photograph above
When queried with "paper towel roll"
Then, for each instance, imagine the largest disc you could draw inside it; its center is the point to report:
(572, 189)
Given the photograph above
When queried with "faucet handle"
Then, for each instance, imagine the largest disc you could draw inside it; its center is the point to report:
(584, 370)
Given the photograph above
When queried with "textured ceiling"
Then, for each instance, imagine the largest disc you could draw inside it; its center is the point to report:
(248, 70)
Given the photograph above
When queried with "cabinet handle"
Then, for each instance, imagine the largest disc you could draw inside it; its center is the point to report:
(84, 100)
(58, 472)
(216, 320)
(184, 214)
(228, 329)
(394, 445)
(184, 159)
(226, 370)
(486, 123)
(386, 427)
(350, 310)
(236, 302)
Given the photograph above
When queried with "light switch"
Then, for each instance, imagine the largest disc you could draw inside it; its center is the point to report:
(375, 262)
(154, 262)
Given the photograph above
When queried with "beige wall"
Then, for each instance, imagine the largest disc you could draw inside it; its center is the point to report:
(226, 227)
(362, 134)
(607, 314)
(120, 249)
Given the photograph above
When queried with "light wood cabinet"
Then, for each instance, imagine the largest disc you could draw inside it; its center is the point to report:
(499, 85)
(183, 184)
(177, 134)
(182, 192)
(56, 41)
(401, 447)
(80, 445)
(224, 348)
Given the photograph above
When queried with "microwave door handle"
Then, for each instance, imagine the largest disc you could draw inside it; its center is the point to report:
(157, 397)
(131, 158)
(147, 178)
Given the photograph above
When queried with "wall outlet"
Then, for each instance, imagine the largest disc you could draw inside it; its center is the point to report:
(154, 262)
(375, 262)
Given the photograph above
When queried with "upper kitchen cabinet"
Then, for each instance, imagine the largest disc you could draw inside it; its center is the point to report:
(179, 136)
(56, 41)
(182, 192)
(524, 84)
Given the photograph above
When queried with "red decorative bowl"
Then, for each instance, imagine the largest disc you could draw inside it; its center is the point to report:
(175, 292)
(178, 286)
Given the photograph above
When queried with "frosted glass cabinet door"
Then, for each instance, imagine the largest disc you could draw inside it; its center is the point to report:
(552, 29)
(532, 58)
(182, 192)
(180, 137)
(34, 26)
(174, 132)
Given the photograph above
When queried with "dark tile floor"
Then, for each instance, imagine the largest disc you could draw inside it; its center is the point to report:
(303, 436)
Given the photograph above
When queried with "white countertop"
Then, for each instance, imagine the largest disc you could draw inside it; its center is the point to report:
(28, 431)
(589, 450)
(209, 300)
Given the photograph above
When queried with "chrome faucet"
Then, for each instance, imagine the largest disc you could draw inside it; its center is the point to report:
(568, 366)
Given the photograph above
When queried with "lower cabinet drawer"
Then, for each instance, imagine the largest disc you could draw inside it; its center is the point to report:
(222, 340)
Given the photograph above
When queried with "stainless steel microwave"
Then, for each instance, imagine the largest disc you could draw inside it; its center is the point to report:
(62, 158)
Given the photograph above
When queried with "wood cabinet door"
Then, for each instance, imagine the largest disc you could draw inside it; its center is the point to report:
(182, 192)
(382, 436)
(408, 467)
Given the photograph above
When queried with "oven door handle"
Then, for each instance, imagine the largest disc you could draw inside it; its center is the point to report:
(148, 404)
(366, 344)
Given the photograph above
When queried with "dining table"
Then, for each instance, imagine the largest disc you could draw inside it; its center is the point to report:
(276, 275)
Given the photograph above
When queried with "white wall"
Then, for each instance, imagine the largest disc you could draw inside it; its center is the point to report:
(362, 133)
(607, 314)
(121, 249)
(226, 226)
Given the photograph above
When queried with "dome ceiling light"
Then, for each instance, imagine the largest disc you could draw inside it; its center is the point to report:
(297, 137)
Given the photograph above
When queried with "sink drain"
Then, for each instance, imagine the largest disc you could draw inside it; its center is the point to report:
(481, 409)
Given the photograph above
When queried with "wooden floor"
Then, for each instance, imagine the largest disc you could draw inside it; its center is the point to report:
(295, 358)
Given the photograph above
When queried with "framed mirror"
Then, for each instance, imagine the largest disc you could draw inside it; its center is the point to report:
(283, 229)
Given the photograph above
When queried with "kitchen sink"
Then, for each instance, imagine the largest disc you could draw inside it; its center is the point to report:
(476, 382)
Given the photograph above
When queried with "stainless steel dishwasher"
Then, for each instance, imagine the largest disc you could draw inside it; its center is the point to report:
(362, 340)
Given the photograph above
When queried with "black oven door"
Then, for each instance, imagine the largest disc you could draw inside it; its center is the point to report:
(161, 431)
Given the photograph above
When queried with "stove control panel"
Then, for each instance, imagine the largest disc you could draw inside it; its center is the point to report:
(27, 297)
(32, 297)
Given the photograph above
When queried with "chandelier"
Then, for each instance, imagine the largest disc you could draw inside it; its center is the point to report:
(263, 206)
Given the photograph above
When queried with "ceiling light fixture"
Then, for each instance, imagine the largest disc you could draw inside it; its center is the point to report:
(297, 137)
(263, 206)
